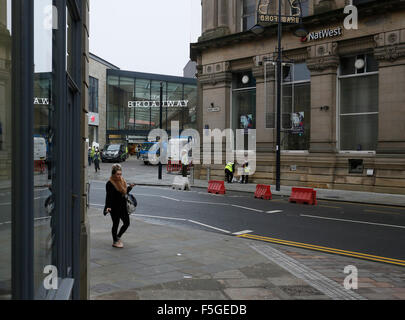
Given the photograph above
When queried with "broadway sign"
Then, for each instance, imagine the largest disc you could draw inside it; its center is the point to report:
(156, 104)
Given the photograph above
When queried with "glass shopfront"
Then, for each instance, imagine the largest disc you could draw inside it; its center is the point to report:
(133, 104)
(5, 149)
(39, 148)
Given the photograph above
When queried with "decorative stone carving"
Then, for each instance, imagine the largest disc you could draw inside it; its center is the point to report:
(390, 46)
(390, 53)
(323, 63)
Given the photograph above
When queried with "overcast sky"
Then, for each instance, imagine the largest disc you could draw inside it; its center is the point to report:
(150, 36)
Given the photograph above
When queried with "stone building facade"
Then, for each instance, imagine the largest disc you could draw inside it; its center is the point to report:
(343, 119)
(98, 73)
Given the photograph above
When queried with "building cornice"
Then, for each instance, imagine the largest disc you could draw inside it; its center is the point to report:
(322, 19)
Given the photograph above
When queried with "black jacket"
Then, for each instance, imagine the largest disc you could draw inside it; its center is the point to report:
(115, 200)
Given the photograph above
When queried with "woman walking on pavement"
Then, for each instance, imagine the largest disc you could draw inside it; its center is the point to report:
(97, 159)
(116, 204)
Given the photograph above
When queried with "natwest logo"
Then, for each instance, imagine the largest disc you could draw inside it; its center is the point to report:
(323, 34)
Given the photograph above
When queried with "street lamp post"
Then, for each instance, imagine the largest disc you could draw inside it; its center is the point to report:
(299, 32)
(161, 128)
(279, 70)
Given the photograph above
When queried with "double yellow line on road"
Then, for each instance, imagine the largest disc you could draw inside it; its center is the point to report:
(325, 249)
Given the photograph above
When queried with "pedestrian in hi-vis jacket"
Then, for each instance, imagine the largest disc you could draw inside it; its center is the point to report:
(116, 204)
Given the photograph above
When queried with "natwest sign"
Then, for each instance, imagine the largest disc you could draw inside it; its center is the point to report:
(323, 34)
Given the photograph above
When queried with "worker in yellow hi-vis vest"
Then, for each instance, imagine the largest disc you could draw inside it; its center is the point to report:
(246, 173)
(229, 171)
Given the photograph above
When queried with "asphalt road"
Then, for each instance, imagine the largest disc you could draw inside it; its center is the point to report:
(365, 231)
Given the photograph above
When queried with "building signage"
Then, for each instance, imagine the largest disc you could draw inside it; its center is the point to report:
(323, 34)
(41, 101)
(156, 104)
(265, 16)
(94, 119)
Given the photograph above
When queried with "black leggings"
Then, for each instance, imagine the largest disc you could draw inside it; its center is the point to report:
(116, 222)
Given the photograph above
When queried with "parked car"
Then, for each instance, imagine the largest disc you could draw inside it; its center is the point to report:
(114, 153)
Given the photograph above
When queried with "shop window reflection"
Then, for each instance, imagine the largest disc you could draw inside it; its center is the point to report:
(44, 161)
(5, 149)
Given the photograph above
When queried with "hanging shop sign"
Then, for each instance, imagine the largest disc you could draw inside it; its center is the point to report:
(264, 14)
(323, 34)
(94, 119)
(156, 104)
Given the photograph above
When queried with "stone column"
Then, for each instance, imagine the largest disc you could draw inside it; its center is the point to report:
(215, 19)
(390, 53)
(323, 63)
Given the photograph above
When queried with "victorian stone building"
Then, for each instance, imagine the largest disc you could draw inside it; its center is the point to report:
(343, 100)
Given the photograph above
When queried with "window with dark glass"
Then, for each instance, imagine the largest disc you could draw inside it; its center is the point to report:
(93, 95)
(244, 101)
(358, 107)
(142, 113)
(296, 107)
(300, 8)
(249, 8)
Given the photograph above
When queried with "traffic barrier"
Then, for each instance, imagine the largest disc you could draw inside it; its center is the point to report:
(39, 166)
(181, 183)
(216, 187)
(173, 167)
(176, 166)
(304, 196)
(263, 192)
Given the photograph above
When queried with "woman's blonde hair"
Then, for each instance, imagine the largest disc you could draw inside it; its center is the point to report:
(116, 168)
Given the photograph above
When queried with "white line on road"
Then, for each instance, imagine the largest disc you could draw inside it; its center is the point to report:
(96, 205)
(275, 211)
(241, 233)
(251, 209)
(202, 202)
(206, 225)
(166, 218)
(354, 221)
(180, 219)
(168, 198)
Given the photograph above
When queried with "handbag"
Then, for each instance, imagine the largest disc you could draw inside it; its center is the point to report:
(131, 203)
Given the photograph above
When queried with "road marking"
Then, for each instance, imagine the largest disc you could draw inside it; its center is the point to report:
(168, 198)
(364, 204)
(208, 226)
(251, 209)
(354, 221)
(323, 206)
(383, 212)
(358, 255)
(275, 211)
(202, 202)
(242, 232)
(96, 205)
(315, 279)
(157, 217)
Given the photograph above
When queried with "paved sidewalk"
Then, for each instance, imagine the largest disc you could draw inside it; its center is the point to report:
(162, 261)
(147, 175)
